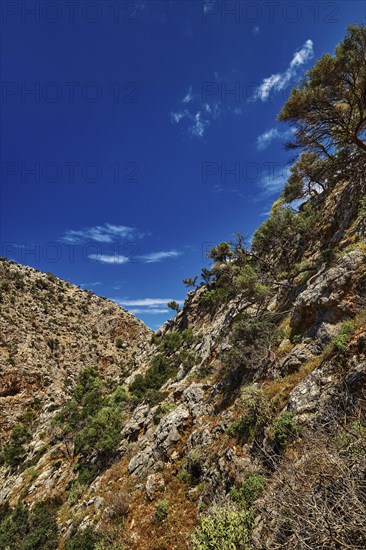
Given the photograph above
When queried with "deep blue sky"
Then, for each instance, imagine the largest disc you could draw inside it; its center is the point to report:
(143, 88)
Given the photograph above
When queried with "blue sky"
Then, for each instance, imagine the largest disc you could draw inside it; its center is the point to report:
(136, 135)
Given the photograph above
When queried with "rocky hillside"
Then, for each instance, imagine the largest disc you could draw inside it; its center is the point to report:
(50, 331)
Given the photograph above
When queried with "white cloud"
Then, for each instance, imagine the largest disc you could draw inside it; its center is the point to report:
(268, 136)
(188, 97)
(106, 233)
(255, 30)
(146, 302)
(154, 257)
(200, 124)
(279, 81)
(109, 258)
(273, 183)
(148, 311)
(150, 306)
(197, 122)
(178, 116)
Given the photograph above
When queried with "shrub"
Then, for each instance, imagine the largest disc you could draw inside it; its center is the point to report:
(84, 540)
(30, 530)
(161, 510)
(171, 342)
(346, 331)
(160, 371)
(188, 336)
(257, 415)
(223, 529)
(249, 492)
(283, 430)
(119, 504)
(14, 452)
(101, 434)
(250, 338)
(92, 421)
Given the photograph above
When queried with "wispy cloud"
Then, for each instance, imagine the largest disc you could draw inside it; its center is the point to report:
(151, 311)
(109, 258)
(197, 122)
(265, 139)
(198, 114)
(154, 257)
(145, 302)
(278, 81)
(149, 258)
(107, 233)
(272, 183)
(89, 285)
(149, 306)
(188, 97)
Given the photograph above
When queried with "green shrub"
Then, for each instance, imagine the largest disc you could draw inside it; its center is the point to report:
(171, 342)
(188, 336)
(163, 410)
(93, 422)
(250, 338)
(161, 370)
(283, 430)
(223, 529)
(21, 529)
(84, 540)
(257, 414)
(101, 434)
(346, 331)
(161, 510)
(14, 452)
(249, 492)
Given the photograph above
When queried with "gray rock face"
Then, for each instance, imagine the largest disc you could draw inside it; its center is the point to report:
(167, 434)
(158, 443)
(138, 420)
(155, 485)
(322, 299)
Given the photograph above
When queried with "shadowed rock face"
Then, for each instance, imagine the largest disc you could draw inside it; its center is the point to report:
(192, 437)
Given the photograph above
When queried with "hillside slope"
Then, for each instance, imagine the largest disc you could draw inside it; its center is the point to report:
(50, 331)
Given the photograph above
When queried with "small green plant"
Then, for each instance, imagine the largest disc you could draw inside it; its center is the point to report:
(346, 331)
(283, 430)
(223, 529)
(14, 452)
(163, 410)
(119, 343)
(256, 416)
(188, 336)
(161, 510)
(171, 342)
(83, 540)
(184, 476)
(249, 492)
(161, 370)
